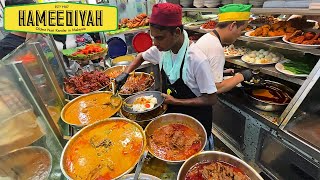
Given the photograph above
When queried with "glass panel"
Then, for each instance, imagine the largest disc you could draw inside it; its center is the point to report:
(305, 123)
(31, 60)
(24, 133)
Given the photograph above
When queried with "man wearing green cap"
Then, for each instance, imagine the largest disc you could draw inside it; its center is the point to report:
(233, 19)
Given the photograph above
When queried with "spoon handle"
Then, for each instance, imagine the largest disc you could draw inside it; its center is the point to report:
(139, 166)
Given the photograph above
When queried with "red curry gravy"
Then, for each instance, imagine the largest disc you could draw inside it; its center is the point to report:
(175, 142)
(215, 170)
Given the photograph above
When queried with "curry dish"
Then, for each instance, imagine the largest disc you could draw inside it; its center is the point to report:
(106, 151)
(175, 142)
(89, 109)
(216, 171)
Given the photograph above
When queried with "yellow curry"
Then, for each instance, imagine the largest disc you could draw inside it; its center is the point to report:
(89, 109)
(105, 152)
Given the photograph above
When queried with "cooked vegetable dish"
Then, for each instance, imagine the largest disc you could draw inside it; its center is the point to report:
(215, 171)
(105, 151)
(175, 142)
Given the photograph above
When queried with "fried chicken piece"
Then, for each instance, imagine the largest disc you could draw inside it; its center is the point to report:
(293, 35)
(280, 32)
(297, 40)
(271, 33)
(265, 30)
(257, 32)
(309, 35)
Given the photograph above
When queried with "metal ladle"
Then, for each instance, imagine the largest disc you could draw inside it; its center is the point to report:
(115, 99)
(139, 165)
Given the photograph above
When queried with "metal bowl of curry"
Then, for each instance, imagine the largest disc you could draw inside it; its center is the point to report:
(175, 137)
(144, 119)
(136, 82)
(273, 96)
(107, 149)
(88, 109)
(216, 165)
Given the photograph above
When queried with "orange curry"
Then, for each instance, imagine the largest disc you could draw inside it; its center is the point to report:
(89, 109)
(104, 152)
(175, 142)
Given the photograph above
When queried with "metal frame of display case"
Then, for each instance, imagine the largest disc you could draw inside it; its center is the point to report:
(257, 121)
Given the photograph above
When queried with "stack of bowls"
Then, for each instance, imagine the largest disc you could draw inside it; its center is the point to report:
(240, 1)
(225, 2)
(186, 3)
(198, 3)
(256, 3)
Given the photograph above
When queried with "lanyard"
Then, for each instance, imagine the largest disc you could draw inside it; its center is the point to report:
(217, 34)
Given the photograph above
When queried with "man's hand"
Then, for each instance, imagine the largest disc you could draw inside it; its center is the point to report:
(247, 74)
(168, 99)
(121, 80)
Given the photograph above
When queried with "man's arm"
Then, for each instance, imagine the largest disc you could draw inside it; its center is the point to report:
(228, 84)
(135, 63)
(203, 100)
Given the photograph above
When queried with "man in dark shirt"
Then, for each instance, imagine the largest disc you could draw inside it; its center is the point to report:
(14, 39)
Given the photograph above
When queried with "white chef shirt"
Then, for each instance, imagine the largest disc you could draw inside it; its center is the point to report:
(212, 48)
(199, 76)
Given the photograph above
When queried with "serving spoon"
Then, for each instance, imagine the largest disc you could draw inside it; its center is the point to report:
(115, 99)
(139, 165)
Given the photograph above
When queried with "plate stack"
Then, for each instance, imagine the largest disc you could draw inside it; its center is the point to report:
(256, 3)
(186, 3)
(212, 3)
(240, 1)
(224, 2)
(198, 3)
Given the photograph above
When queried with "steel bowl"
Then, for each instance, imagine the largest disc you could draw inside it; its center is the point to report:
(270, 106)
(122, 60)
(109, 71)
(32, 162)
(145, 118)
(92, 126)
(173, 118)
(130, 100)
(142, 176)
(65, 108)
(217, 156)
(72, 96)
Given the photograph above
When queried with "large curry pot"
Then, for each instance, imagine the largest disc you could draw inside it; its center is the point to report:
(107, 153)
(175, 118)
(212, 156)
(94, 107)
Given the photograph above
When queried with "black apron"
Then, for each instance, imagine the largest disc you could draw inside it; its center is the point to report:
(180, 90)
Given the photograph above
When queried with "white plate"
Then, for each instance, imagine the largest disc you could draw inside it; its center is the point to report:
(207, 30)
(194, 25)
(279, 67)
(281, 57)
(141, 177)
(300, 46)
(257, 38)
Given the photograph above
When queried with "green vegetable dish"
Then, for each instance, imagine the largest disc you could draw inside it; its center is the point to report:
(298, 67)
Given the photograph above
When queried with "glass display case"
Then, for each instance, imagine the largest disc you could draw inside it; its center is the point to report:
(30, 101)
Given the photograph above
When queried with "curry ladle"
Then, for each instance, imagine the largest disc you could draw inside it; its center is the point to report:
(115, 99)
